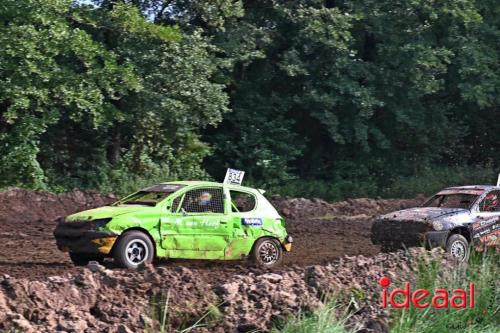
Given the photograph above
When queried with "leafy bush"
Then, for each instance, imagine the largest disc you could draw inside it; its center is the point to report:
(426, 182)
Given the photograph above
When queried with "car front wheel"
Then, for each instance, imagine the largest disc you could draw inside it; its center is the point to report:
(133, 249)
(267, 252)
(458, 247)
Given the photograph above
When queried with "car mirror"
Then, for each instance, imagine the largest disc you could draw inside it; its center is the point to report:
(183, 211)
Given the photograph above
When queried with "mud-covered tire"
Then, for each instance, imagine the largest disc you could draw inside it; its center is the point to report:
(458, 248)
(80, 259)
(133, 249)
(387, 247)
(267, 252)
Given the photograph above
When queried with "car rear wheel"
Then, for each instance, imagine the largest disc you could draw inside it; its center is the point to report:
(80, 259)
(458, 247)
(133, 249)
(267, 252)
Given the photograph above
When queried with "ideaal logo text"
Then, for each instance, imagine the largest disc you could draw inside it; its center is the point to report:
(405, 297)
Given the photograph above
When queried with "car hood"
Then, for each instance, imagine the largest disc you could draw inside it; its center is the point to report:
(105, 212)
(423, 213)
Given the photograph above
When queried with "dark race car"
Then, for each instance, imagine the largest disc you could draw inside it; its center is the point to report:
(453, 219)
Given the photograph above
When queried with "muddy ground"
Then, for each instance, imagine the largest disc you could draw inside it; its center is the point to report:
(322, 231)
(40, 290)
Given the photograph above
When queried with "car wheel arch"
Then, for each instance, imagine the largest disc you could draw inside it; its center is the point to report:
(144, 231)
(265, 236)
(276, 257)
(462, 230)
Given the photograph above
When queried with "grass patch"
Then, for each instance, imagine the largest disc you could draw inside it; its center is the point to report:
(324, 320)
(483, 270)
(161, 315)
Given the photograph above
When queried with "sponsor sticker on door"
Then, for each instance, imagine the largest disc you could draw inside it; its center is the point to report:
(251, 221)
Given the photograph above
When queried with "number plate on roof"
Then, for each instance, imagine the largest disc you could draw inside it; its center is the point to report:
(234, 177)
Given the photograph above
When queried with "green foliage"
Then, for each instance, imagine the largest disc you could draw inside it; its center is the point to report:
(315, 98)
(365, 91)
(426, 182)
(49, 69)
(95, 97)
(432, 180)
(130, 20)
(322, 321)
(162, 315)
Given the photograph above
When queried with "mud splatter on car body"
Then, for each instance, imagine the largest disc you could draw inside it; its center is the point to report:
(185, 219)
(452, 211)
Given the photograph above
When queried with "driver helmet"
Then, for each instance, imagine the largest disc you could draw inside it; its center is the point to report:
(204, 198)
(491, 201)
(492, 197)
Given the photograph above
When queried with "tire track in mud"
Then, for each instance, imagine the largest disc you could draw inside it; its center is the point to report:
(34, 254)
(322, 232)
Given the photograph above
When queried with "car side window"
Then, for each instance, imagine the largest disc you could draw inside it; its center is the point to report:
(435, 201)
(204, 200)
(490, 203)
(175, 204)
(242, 201)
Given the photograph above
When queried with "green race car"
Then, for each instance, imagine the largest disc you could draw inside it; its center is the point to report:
(184, 219)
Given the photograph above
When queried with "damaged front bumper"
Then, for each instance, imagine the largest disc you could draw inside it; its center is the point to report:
(287, 244)
(79, 237)
(399, 233)
(436, 239)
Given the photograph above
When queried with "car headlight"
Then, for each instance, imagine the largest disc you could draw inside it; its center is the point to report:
(437, 225)
(99, 223)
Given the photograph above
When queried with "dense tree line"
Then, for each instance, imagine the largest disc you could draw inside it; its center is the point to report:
(353, 94)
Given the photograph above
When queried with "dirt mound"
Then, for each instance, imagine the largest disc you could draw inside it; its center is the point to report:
(40, 290)
(322, 231)
(260, 301)
(298, 208)
(99, 299)
(26, 206)
(27, 220)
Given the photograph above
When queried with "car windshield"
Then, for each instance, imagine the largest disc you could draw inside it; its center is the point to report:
(152, 195)
(452, 200)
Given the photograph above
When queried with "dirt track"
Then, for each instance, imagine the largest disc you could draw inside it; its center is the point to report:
(40, 290)
(322, 231)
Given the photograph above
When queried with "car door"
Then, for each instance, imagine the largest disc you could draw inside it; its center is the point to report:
(198, 228)
(246, 222)
(487, 225)
(489, 206)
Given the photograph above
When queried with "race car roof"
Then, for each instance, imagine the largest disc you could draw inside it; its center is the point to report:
(470, 189)
(206, 183)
